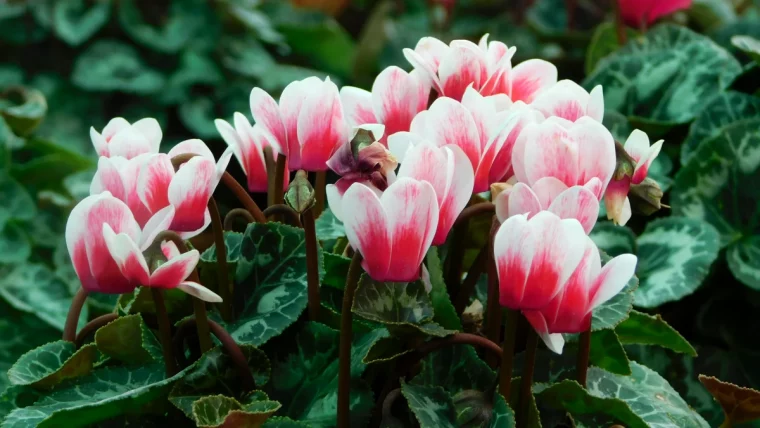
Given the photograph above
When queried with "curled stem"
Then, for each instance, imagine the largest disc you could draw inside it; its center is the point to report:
(225, 290)
(508, 353)
(458, 339)
(526, 381)
(344, 363)
(285, 211)
(312, 263)
(229, 219)
(584, 350)
(320, 183)
(70, 328)
(93, 326)
(164, 331)
(493, 309)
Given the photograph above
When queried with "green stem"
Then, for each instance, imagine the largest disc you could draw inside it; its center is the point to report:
(225, 289)
(344, 362)
(72, 319)
(493, 309)
(164, 331)
(526, 381)
(584, 350)
(508, 352)
(312, 263)
(320, 184)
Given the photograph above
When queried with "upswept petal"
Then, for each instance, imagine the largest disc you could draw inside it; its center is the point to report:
(412, 213)
(483, 112)
(253, 158)
(429, 71)
(432, 51)
(113, 127)
(98, 142)
(169, 249)
(423, 88)
(547, 189)
(194, 146)
(129, 143)
(503, 163)
(595, 106)
(127, 256)
(189, 193)
(637, 145)
(395, 99)
(530, 77)
(579, 203)
(266, 113)
(367, 230)
(500, 133)
(76, 229)
(153, 180)
(449, 122)
(642, 167)
(196, 290)
(514, 246)
(612, 279)
(400, 142)
(521, 200)
(175, 270)
(565, 99)
(459, 68)
(596, 150)
(108, 179)
(221, 168)
(151, 130)
(158, 223)
(596, 187)
(553, 341)
(321, 126)
(549, 152)
(291, 102)
(357, 105)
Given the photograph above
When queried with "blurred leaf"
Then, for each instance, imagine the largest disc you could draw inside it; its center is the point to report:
(550, 19)
(336, 270)
(443, 311)
(748, 45)
(19, 26)
(711, 13)
(22, 331)
(431, 405)
(607, 352)
(24, 110)
(52, 363)
(15, 247)
(721, 111)
(739, 404)
(200, 111)
(108, 65)
(129, 340)
(652, 330)
(74, 21)
(50, 164)
(255, 20)
(164, 27)
(604, 42)
(328, 226)
(194, 69)
(220, 411)
(613, 239)
(17, 203)
(664, 76)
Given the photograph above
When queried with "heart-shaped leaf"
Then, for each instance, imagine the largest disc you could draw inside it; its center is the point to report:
(25, 110)
(652, 330)
(178, 23)
(15, 247)
(27, 332)
(17, 202)
(443, 311)
(603, 43)
(328, 226)
(109, 65)
(739, 404)
(218, 411)
(76, 21)
(749, 45)
(431, 405)
(52, 363)
(607, 352)
(129, 340)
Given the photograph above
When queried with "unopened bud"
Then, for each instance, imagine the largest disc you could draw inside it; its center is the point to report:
(646, 197)
(300, 194)
(473, 408)
(497, 188)
(624, 163)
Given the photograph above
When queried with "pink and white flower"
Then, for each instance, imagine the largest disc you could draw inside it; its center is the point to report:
(248, 143)
(573, 153)
(120, 138)
(535, 257)
(396, 97)
(616, 197)
(392, 231)
(638, 13)
(308, 124)
(550, 194)
(589, 286)
(106, 246)
(568, 100)
(450, 173)
(477, 125)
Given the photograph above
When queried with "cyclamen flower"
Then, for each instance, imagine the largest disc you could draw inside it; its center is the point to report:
(449, 171)
(248, 143)
(535, 257)
(638, 13)
(356, 162)
(106, 246)
(475, 125)
(573, 153)
(589, 286)
(566, 99)
(308, 124)
(119, 138)
(393, 231)
(616, 197)
(396, 97)
(550, 194)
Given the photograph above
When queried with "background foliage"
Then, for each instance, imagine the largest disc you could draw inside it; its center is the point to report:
(67, 65)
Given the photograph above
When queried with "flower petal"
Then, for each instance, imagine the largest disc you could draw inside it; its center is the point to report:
(514, 245)
(395, 99)
(432, 51)
(549, 153)
(449, 122)
(127, 256)
(522, 200)
(423, 88)
(153, 180)
(596, 150)
(113, 127)
(547, 189)
(291, 102)
(400, 142)
(151, 130)
(266, 114)
(595, 106)
(367, 231)
(461, 181)
(98, 142)
(357, 105)
(169, 249)
(530, 77)
(196, 290)
(194, 146)
(158, 223)
(642, 167)
(255, 163)
(189, 193)
(614, 199)
(322, 127)
(129, 143)
(76, 231)
(579, 203)
(461, 67)
(565, 99)
(613, 278)
(554, 341)
(108, 179)
(175, 270)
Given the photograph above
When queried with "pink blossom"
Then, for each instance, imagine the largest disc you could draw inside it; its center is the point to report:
(568, 100)
(637, 13)
(120, 138)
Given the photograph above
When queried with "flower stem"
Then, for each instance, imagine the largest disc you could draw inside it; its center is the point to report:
(493, 309)
(571, 6)
(458, 339)
(455, 258)
(225, 289)
(271, 166)
(471, 280)
(229, 219)
(622, 36)
(312, 263)
(344, 362)
(584, 350)
(279, 179)
(508, 352)
(70, 328)
(474, 211)
(93, 326)
(285, 211)
(320, 184)
(242, 195)
(164, 330)
(526, 381)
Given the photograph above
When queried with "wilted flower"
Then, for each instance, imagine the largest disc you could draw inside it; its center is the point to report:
(119, 138)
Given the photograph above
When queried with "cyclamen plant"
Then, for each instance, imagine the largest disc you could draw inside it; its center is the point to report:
(463, 134)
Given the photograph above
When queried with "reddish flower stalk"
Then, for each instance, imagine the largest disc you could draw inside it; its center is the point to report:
(584, 350)
(229, 219)
(493, 310)
(283, 211)
(92, 327)
(312, 263)
(344, 362)
(164, 331)
(223, 279)
(70, 328)
(508, 353)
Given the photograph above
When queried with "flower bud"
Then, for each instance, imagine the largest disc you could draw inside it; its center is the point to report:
(300, 194)
(624, 163)
(497, 188)
(646, 197)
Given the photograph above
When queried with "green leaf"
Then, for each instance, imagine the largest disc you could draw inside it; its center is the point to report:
(455, 369)
(550, 19)
(443, 311)
(35, 289)
(615, 310)
(15, 397)
(52, 363)
(108, 65)
(283, 422)
(26, 108)
(141, 300)
(675, 255)
(617, 124)
(220, 411)
(431, 405)
(744, 260)
(177, 26)
(15, 247)
(664, 76)
(272, 273)
(76, 21)
(328, 226)
(216, 373)
(21, 331)
(194, 69)
(652, 330)
(503, 415)
(571, 396)
(603, 42)
(607, 352)
(256, 21)
(105, 393)
(306, 380)
(386, 349)
(336, 270)
(129, 340)
(17, 203)
(748, 45)
(648, 395)
(533, 418)
(207, 266)
(613, 239)
(721, 111)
